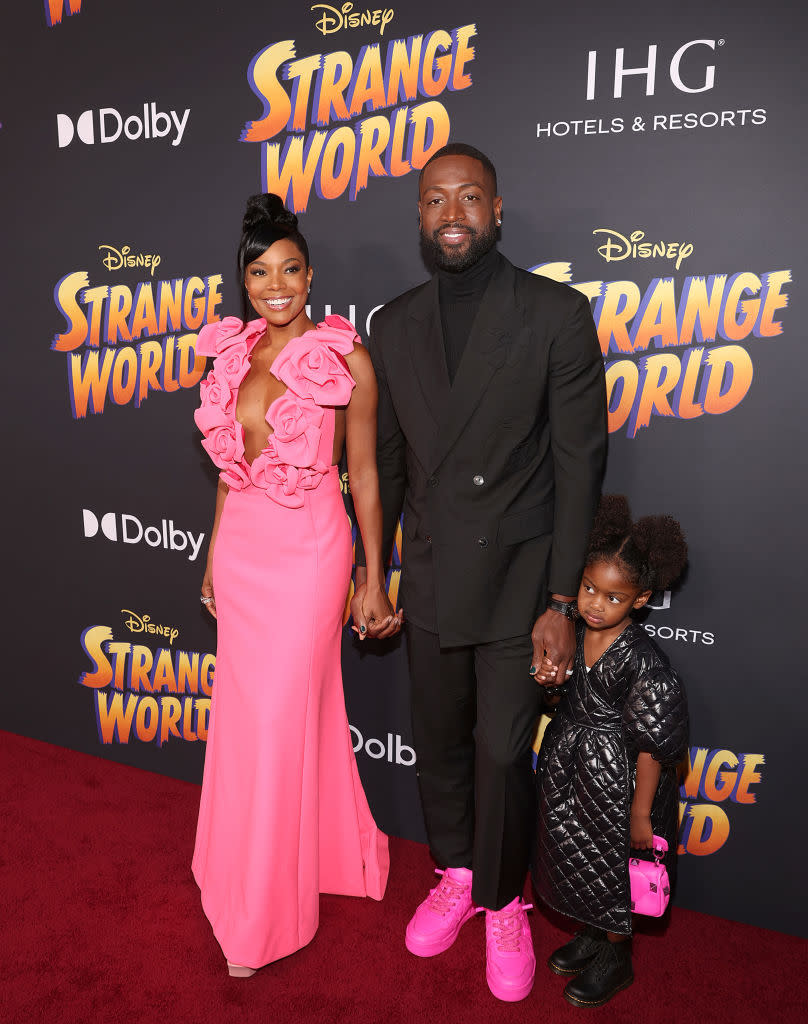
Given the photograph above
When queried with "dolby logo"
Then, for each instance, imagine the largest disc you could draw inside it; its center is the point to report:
(393, 750)
(128, 529)
(108, 125)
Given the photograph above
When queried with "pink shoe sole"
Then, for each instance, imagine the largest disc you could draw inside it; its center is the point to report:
(421, 947)
(237, 971)
(510, 994)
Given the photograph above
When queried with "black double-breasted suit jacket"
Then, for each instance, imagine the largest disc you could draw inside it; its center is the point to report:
(499, 472)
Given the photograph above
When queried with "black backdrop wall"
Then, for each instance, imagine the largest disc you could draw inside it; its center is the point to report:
(652, 158)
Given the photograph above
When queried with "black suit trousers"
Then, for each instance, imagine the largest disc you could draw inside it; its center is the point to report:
(474, 712)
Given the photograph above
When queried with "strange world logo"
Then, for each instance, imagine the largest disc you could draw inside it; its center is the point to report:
(715, 780)
(56, 10)
(321, 128)
(144, 694)
(678, 348)
(122, 342)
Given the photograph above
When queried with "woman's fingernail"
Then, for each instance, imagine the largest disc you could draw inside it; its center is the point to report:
(533, 670)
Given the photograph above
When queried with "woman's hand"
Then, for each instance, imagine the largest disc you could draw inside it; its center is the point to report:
(642, 832)
(207, 580)
(207, 592)
(372, 612)
(359, 626)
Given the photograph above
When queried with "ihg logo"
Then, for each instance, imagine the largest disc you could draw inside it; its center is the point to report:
(108, 125)
(128, 529)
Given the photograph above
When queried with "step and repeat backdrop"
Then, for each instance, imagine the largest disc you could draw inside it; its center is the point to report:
(653, 159)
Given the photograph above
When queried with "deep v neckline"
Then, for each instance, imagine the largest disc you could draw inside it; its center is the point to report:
(298, 452)
(274, 400)
(278, 398)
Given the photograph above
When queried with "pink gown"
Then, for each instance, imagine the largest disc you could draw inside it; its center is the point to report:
(283, 816)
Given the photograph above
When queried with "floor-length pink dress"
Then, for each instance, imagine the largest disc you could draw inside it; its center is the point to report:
(283, 816)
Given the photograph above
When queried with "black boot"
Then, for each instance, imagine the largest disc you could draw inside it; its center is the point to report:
(578, 952)
(608, 973)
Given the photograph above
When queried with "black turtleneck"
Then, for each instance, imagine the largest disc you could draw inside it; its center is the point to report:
(460, 293)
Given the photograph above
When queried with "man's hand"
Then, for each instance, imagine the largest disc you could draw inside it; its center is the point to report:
(380, 616)
(553, 639)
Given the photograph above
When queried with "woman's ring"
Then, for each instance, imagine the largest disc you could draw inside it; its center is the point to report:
(205, 600)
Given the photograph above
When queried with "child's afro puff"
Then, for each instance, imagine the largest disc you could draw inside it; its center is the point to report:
(651, 552)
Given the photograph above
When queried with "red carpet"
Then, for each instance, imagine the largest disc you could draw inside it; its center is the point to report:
(101, 923)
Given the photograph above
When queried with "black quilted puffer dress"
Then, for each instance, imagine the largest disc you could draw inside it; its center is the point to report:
(631, 700)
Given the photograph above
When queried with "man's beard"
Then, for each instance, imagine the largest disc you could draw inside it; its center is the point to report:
(456, 259)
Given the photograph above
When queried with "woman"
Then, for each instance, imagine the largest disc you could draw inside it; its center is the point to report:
(283, 816)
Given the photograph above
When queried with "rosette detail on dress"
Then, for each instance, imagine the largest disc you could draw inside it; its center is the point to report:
(313, 365)
(317, 379)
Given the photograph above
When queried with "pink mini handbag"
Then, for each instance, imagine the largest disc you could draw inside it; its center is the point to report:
(650, 885)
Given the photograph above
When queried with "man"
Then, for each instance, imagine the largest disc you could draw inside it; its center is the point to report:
(492, 435)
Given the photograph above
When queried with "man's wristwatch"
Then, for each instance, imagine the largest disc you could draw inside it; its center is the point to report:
(568, 608)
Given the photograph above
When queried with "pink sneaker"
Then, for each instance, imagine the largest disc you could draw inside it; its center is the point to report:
(510, 961)
(435, 924)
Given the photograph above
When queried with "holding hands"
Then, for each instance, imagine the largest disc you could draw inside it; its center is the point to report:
(373, 614)
(546, 676)
(553, 640)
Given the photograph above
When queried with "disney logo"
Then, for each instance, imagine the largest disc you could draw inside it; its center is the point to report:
(618, 247)
(334, 19)
(143, 624)
(117, 259)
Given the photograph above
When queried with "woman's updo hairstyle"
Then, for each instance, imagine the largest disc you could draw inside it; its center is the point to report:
(651, 552)
(266, 221)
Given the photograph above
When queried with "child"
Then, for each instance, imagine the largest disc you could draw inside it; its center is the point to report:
(606, 773)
